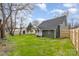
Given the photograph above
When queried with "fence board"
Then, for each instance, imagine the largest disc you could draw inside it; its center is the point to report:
(74, 36)
(64, 33)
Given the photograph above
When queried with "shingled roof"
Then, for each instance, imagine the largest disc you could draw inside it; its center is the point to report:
(52, 23)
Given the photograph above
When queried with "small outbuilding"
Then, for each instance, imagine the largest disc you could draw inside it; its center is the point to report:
(52, 28)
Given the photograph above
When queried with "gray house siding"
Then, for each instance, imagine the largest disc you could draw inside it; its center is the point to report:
(52, 33)
(51, 28)
(48, 33)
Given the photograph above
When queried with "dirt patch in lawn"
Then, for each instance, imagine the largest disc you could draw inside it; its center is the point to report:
(5, 47)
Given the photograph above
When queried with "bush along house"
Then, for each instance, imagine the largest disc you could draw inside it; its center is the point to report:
(52, 28)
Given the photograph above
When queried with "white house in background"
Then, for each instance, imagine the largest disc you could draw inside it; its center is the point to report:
(17, 30)
(30, 29)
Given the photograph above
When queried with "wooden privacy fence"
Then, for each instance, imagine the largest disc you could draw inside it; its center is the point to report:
(74, 36)
(64, 33)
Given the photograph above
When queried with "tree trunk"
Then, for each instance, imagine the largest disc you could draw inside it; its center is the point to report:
(11, 32)
(3, 31)
(20, 31)
(15, 22)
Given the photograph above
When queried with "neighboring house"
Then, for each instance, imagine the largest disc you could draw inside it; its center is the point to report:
(30, 29)
(51, 28)
(23, 31)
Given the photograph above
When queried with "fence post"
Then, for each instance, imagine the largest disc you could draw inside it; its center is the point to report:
(78, 40)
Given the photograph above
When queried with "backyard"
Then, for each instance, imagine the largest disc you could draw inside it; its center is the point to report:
(19, 22)
(31, 45)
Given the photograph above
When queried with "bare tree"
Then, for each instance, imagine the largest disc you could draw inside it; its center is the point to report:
(25, 9)
(21, 25)
(8, 10)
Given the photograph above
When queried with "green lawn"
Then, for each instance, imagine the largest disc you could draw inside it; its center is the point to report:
(30, 45)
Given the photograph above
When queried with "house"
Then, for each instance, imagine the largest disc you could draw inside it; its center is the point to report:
(23, 31)
(30, 29)
(52, 28)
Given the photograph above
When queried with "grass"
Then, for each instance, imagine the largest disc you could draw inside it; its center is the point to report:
(30, 45)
